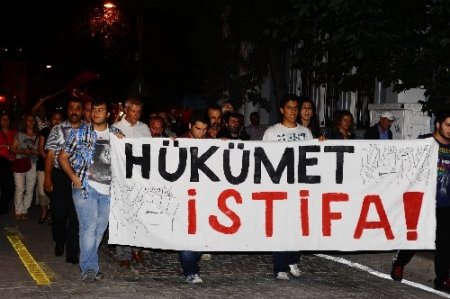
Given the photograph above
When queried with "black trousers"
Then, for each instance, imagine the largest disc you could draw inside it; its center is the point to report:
(6, 185)
(442, 252)
(64, 216)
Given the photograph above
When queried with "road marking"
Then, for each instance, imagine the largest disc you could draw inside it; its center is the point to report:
(34, 269)
(379, 274)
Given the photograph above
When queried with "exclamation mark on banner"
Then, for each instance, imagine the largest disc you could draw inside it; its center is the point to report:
(412, 203)
(192, 212)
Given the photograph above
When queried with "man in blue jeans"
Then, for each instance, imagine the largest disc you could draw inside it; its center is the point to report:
(86, 160)
(198, 126)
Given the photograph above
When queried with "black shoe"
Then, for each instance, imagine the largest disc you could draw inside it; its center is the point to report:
(72, 260)
(59, 249)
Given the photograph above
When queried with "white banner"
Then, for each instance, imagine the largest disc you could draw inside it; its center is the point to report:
(216, 195)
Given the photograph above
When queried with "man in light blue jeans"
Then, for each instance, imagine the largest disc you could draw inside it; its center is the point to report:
(93, 217)
(86, 160)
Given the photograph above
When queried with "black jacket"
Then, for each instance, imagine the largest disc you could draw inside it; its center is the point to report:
(373, 133)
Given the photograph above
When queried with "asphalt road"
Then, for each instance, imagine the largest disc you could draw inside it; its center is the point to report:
(29, 269)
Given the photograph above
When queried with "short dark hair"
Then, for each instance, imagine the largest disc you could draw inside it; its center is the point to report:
(101, 101)
(441, 116)
(76, 100)
(289, 97)
(231, 114)
(214, 107)
(199, 115)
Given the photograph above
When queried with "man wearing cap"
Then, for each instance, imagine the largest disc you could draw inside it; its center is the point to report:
(382, 129)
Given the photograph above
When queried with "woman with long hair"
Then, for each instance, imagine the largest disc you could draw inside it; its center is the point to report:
(308, 117)
(342, 126)
(6, 173)
(25, 145)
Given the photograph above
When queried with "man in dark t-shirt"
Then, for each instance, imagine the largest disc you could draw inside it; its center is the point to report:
(441, 135)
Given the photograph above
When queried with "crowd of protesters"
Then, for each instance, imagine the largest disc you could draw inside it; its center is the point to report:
(66, 167)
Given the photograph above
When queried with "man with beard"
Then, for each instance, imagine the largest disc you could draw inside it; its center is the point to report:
(215, 120)
(233, 128)
(441, 135)
(59, 186)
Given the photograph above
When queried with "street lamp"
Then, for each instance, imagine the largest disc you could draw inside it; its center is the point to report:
(109, 5)
(105, 23)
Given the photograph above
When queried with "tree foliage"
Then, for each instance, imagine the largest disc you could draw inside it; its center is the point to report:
(351, 43)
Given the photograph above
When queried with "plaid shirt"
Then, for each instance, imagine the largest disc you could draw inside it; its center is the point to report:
(56, 139)
(80, 146)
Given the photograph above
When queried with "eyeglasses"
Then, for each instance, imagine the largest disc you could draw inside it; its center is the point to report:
(100, 110)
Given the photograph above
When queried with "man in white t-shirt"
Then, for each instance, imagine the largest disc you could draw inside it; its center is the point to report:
(288, 129)
(86, 160)
(131, 127)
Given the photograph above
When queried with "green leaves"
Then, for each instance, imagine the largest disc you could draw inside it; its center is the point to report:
(350, 43)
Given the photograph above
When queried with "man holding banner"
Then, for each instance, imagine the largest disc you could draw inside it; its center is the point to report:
(131, 127)
(198, 127)
(287, 130)
(86, 160)
(442, 253)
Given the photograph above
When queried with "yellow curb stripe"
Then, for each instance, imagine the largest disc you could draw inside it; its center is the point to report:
(35, 270)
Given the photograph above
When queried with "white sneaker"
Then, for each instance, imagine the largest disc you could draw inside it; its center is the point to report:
(282, 276)
(206, 257)
(294, 270)
(194, 278)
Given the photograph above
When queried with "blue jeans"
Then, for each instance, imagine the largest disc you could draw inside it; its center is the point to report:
(93, 216)
(189, 262)
(282, 260)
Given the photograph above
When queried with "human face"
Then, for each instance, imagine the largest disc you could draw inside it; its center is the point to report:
(99, 114)
(443, 130)
(56, 119)
(87, 111)
(215, 118)
(30, 122)
(133, 114)
(234, 125)
(5, 122)
(74, 112)
(156, 127)
(346, 122)
(198, 130)
(289, 113)
(385, 123)
(306, 111)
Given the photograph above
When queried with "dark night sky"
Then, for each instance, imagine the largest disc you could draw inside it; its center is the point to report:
(56, 32)
(31, 23)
